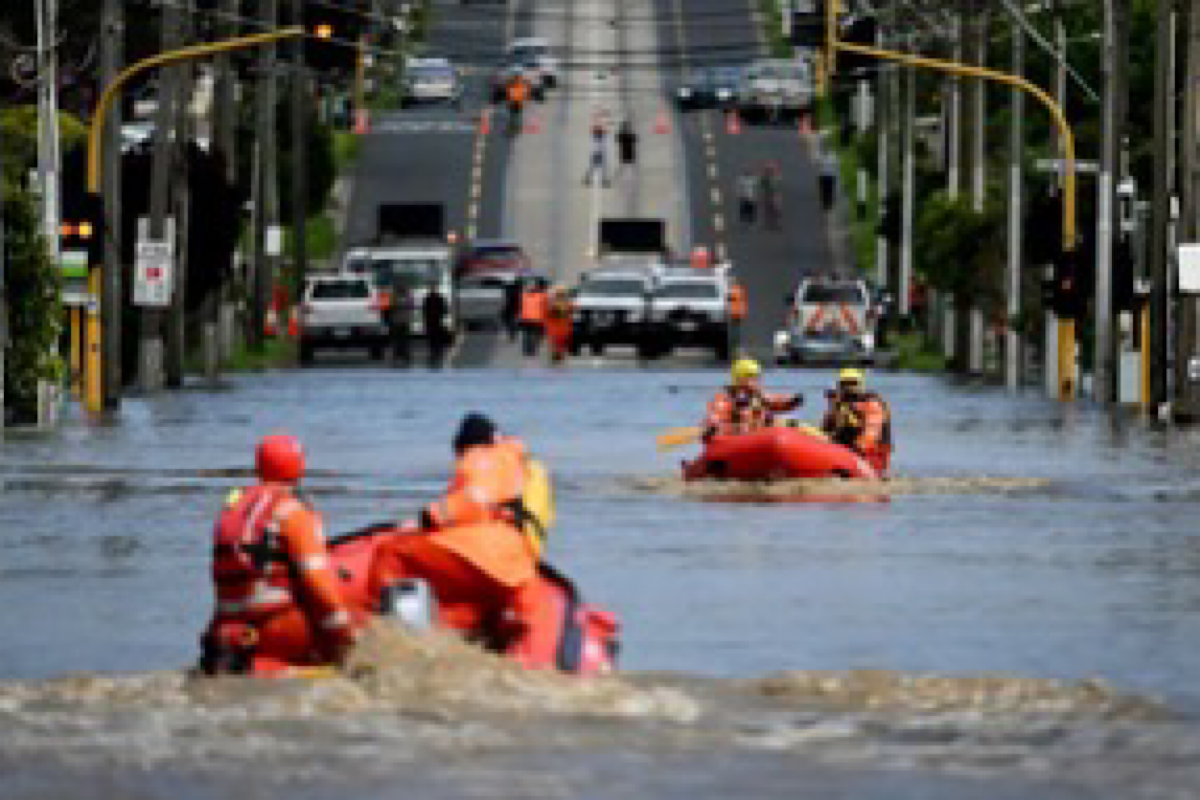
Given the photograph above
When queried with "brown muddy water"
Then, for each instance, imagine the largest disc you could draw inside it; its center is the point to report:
(1017, 616)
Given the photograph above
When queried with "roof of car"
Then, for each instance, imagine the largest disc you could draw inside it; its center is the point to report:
(484, 244)
(526, 41)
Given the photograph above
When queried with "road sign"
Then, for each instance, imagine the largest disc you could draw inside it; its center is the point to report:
(153, 273)
(74, 267)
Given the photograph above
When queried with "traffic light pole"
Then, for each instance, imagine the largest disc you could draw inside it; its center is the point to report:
(1066, 329)
(94, 400)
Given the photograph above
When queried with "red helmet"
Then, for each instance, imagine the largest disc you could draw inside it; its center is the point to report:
(279, 459)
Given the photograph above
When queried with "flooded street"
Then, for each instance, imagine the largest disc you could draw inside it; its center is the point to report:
(1015, 615)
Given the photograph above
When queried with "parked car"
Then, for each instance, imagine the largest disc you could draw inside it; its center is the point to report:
(536, 51)
(480, 296)
(490, 255)
(342, 311)
(831, 321)
(776, 88)
(612, 307)
(690, 308)
(709, 87)
(430, 80)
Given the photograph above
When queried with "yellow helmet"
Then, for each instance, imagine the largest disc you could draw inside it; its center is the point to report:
(745, 368)
(852, 375)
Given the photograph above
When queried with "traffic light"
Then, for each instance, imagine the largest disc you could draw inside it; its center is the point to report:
(808, 23)
(82, 227)
(1068, 298)
(333, 29)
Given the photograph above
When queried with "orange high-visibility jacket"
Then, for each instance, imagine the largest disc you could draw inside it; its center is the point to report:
(739, 409)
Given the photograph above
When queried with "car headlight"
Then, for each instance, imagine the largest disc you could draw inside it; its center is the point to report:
(723, 94)
(685, 92)
(782, 339)
(867, 340)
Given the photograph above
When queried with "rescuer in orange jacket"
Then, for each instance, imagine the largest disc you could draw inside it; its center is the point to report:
(743, 406)
(560, 323)
(277, 600)
(535, 303)
(477, 561)
(860, 420)
(739, 307)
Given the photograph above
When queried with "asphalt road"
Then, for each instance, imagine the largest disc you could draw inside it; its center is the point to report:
(769, 263)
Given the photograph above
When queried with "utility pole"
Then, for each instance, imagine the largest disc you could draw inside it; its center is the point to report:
(1016, 177)
(265, 183)
(49, 160)
(111, 56)
(299, 155)
(223, 124)
(1187, 398)
(883, 163)
(3, 292)
(180, 160)
(1160, 207)
(978, 176)
(1106, 217)
(908, 198)
(151, 347)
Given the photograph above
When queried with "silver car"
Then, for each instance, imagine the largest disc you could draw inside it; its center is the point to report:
(430, 80)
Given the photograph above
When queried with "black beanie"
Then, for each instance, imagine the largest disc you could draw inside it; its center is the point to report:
(475, 429)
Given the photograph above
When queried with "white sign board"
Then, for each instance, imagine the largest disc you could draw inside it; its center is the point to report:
(274, 243)
(1189, 268)
(1056, 165)
(153, 273)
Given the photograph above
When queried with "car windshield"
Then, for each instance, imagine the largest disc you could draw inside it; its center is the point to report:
(484, 283)
(340, 290)
(409, 272)
(433, 73)
(689, 290)
(497, 253)
(725, 75)
(613, 287)
(833, 293)
(528, 50)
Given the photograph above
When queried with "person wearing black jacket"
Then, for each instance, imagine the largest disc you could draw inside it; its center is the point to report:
(434, 310)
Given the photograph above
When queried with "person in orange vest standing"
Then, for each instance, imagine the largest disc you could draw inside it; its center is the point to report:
(560, 313)
(277, 599)
(738, 308)
(471, 550)
(535, 303)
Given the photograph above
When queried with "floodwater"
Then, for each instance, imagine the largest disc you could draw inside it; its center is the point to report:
(1015, 615)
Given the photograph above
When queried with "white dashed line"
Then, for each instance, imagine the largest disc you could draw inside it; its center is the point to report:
(716, 196)
(719, 223)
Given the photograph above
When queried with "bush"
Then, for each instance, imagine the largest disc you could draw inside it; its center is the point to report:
(35, 312)
(961, 251)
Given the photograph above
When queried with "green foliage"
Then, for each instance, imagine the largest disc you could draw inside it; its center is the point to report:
(773, 29)
(917, 354)
(961, 251)
(35, 313)
(18, 132)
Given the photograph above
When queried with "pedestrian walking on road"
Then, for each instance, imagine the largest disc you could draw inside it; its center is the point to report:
(399, 320)
(598, 160)
(747, 198)
(827, 179)
(739, 307)
(627, 140)
(510, 312)
(770, 196)
(434, 310)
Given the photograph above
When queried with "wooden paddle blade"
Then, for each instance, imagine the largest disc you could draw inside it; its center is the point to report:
(678, 436)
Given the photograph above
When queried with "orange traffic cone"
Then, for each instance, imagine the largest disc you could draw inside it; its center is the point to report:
(733, 123)
(663, 123)
(805, 125)
(294, 322)
(485, 122)
(362, 121)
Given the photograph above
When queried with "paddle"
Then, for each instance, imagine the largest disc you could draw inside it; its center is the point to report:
(681, 436)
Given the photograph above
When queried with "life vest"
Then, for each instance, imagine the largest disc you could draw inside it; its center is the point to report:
(534, 306)
(848, 422)
(250, 570)
(737, 303)
(749, 408)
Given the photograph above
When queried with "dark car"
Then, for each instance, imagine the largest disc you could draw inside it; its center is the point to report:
(709, 87)
(488, 255)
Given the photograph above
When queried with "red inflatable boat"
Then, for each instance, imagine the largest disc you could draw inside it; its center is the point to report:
(775, 453)
(565, 633)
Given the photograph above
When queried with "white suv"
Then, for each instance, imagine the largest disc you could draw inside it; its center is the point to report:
(536, 50)
(691, 309)
(341, 311)
(830, 321)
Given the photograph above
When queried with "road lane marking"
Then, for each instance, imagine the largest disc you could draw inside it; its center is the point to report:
(716, 196)
(719, 223)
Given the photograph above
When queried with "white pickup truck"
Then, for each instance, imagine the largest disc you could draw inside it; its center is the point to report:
(342, 311)
(831, 321)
